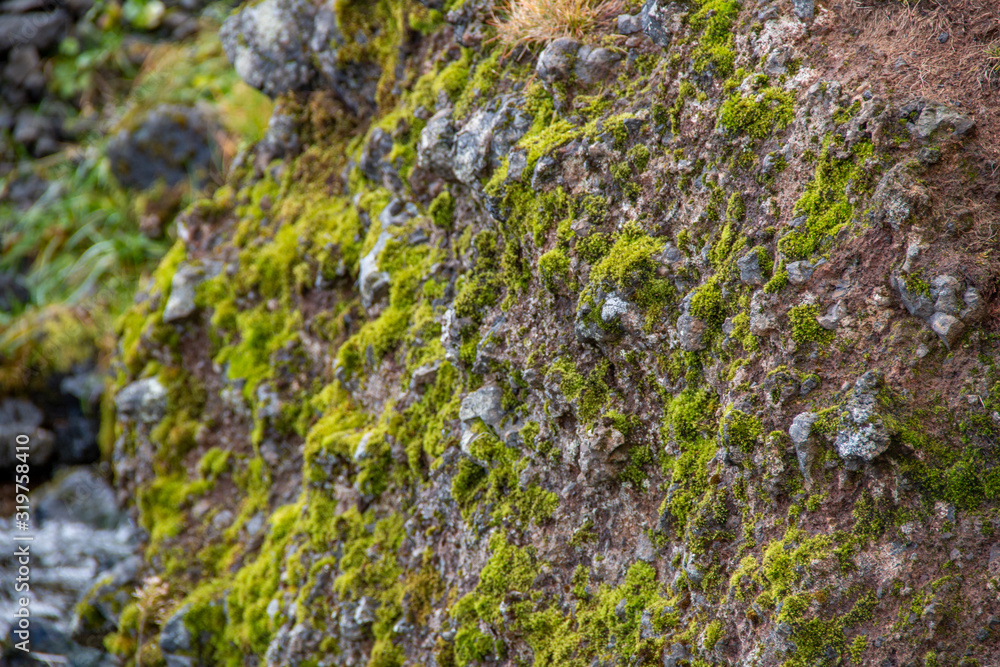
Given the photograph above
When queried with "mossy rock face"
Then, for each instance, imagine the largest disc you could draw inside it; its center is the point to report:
(557, 433)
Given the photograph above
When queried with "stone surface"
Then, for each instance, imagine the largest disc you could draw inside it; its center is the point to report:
(691, 332)
(143, 401)
(805, 444)
(172, 144)
(485, 404)
(749, 267)
(947, 327)
(436, 147)
(183, 287)
(557, 60)
(863, 434)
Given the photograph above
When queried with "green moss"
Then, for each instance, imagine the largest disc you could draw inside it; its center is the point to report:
(805, 328)
(554, 268)
(442, 210)
(707, 304)
(758, 115)
(742, 431)
(825, 202)
(714, 52)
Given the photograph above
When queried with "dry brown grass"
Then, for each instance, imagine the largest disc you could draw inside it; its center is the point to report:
(901, 39)
(530, 22)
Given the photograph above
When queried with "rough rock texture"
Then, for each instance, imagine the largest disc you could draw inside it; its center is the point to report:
(679, 359)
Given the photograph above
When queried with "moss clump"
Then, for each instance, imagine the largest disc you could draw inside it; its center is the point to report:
(442, 210)
(805, 328)
(826, 203)
(759, 115)
(554, 268)
(713, 20)
(707, 304)
(742, 431)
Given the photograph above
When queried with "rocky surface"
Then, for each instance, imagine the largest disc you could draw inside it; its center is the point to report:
(670, 344)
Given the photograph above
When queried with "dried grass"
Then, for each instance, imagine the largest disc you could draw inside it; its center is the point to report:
(530, 22)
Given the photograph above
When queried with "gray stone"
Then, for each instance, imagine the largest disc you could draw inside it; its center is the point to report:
(594, 65)
(629, 24)
(863, 434)
(804, 9)
(21, 417)
(485, 403)
(424, 375)
(762, 319)
(974, 308)
(143, 401)
(750, 271)
(834, 314)
(373, 283)
(510, 123)
(557, 60)
(614, 307)
(472, 145)
(805, 445)
(172, 144)
(948, 328)
(82, 496)
(39, 29)
(657, 18)
(691, 332)
(918, 304)
(183, 287)
(677, 656)
(174, 636)
(799, 272)
(436, 147)
(898, 197)
(945, 291)
(596, 329)
(281, 139)
(935, 116)
(268, 45)
(397, 213)
(602, 454)
(372, 162)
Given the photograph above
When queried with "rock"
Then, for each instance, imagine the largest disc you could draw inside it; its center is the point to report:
(591, 326)
(82, 496)
(691, 332)
(629, 24)
(799, 272)
(472, 144)
(373, 155)
(510, 123)
(863, 434)
(805, 445)
(41, 30)
(594, 65)
(424, 376)
(749, 267)
(898, 197)
(602, 454)
(172, 144)
(373, 284)
(677, 656)
(397, 213)
(935, 116)
(833, 316)
(762, 319)
(804, 9)
(918, 303)
(281, 140)
(657, 20)
(174, 635)
(556, 62)
(974, 308)
(436, 147)
(21, 417)
(143, 401)
(485, 403)
(183, 286)
(945, 291)
(268, 45)
(948, 328)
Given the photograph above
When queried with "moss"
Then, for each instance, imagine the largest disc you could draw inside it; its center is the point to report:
(826, 203)
(630, 259)
(742, 431)
(553, 267)
(758, 115)
(707, 304)
(714, 53)
(442, 210)
(805, 328)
